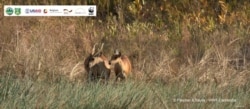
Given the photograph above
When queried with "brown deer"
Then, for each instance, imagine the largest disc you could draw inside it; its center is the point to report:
(121, 65)
(97, 66)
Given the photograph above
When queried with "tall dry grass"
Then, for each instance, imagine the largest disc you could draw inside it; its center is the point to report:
(44, 48)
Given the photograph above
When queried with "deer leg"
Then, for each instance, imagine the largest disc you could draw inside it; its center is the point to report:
(90, 76)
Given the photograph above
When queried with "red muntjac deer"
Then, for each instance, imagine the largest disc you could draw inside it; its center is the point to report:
(121, 65)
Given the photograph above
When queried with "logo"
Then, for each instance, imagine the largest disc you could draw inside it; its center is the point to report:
(17, 11)
(45, 11)
(54, 11)
(80, 11)
(91, 10)
(27, 11)
(9, 11)
(66, 11)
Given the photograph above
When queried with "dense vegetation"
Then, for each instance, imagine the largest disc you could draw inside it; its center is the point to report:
(180, 50)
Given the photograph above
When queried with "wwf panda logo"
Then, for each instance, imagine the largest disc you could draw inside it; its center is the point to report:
(91, 10)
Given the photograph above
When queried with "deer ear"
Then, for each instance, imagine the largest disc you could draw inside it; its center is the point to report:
(117, 52)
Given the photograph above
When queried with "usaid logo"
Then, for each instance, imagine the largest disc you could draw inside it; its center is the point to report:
(27, 11)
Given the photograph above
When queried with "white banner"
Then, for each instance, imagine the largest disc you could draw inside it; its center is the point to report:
(50, 10)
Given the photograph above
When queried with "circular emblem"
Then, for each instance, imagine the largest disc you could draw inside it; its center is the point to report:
(9, 11)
